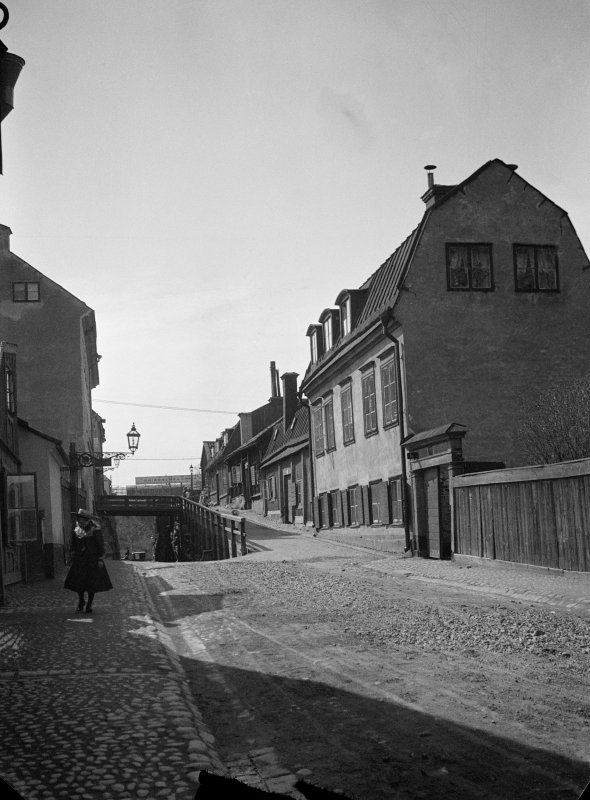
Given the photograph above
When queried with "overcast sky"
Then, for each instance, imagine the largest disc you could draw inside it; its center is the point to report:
(207, 175)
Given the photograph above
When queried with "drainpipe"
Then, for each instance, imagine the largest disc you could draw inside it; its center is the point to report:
(305, 402)
(386, 317)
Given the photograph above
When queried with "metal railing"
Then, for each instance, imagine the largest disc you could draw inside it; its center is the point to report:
(213, 535)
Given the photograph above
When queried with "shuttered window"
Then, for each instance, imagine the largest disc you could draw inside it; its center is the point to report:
(329, 424)
(318, 430)
(396, 501)
(379, 503)
(354, 504)
(347, 417)
(336, 509)
(389, 392)
(369, 402)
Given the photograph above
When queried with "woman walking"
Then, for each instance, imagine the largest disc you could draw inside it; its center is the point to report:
(88, 573)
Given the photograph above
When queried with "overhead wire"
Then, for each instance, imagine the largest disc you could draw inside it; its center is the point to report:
(167, 408)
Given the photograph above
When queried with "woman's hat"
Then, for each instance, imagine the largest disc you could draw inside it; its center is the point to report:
(82, 512)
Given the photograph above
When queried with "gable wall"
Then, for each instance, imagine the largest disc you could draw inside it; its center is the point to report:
(474, 357)
(50, 344)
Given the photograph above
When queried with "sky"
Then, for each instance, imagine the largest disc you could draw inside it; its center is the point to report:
(208, 175)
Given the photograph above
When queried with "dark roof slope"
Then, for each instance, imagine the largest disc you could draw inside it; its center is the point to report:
(297, 432)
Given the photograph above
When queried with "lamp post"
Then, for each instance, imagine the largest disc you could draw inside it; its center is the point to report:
(190, 469)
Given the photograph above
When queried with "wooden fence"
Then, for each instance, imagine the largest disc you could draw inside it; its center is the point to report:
(531, 515)
(213, 534)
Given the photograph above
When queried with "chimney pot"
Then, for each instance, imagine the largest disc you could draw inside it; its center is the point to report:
(429, 169)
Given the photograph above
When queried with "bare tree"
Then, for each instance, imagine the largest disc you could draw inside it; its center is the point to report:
(556, 426)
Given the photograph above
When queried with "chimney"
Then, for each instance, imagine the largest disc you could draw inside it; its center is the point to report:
(274, 381)
(5, 233)
(435, 190)
(246, 426)
(289, 380)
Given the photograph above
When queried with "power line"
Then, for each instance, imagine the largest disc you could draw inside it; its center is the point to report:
(179, 458)
(168, 408)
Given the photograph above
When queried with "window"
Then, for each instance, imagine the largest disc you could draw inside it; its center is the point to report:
(535, 268)
(336, 509)
(299, 484)
(10, 389)
(269, 488)
(469, 267)
(389, 392)
(369, 402)
(354, 500)
(318, 430)
(347, 417)
(327, 326)
(314, 347)
(21, 492)
(396, 501)
(329, 424)
(379, 509)
(345, 317)
(25, 292)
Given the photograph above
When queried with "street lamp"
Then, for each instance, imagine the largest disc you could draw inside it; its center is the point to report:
(133, 439)
(190, 469)
(104, 459)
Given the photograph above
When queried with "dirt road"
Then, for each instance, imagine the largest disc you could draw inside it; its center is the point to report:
(384, 687)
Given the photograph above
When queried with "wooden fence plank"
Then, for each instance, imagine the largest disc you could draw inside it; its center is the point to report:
(487, 522)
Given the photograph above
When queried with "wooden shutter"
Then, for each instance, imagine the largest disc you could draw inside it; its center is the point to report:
(317, 514)
(345, 507)
(365, 506)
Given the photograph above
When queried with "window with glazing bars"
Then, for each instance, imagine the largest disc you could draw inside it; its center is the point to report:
(389, 392)
(329, 424)
(535, 268)
(318, 430)
(369, 402)
(347, 415)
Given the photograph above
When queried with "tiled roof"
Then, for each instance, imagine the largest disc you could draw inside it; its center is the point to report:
(297, 432)
(385, 282)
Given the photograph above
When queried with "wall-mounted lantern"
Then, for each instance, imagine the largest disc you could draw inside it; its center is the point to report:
(10, 68)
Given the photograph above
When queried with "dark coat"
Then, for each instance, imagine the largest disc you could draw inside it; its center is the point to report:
(88, 572)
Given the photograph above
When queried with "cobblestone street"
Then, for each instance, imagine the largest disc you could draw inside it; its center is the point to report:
(95, 706)
(380, 675)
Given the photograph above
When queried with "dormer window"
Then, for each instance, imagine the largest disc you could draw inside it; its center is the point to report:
(315, 334)
(345, 317)
(330, 322)
(327, 326)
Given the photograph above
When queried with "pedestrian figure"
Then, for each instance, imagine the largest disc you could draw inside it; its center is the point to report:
(127, 555)
(175, 540)
(88, 573)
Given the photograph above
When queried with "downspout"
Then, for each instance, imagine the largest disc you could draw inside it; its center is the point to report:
(305, 402)
(385, 318)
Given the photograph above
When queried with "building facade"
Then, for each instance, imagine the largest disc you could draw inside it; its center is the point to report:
(58, 362)
(424, 370)
(285, 470)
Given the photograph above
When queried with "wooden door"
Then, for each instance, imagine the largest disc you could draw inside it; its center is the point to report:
(432, 511)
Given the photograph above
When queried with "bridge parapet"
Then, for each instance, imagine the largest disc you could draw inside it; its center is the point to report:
(138, 505)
